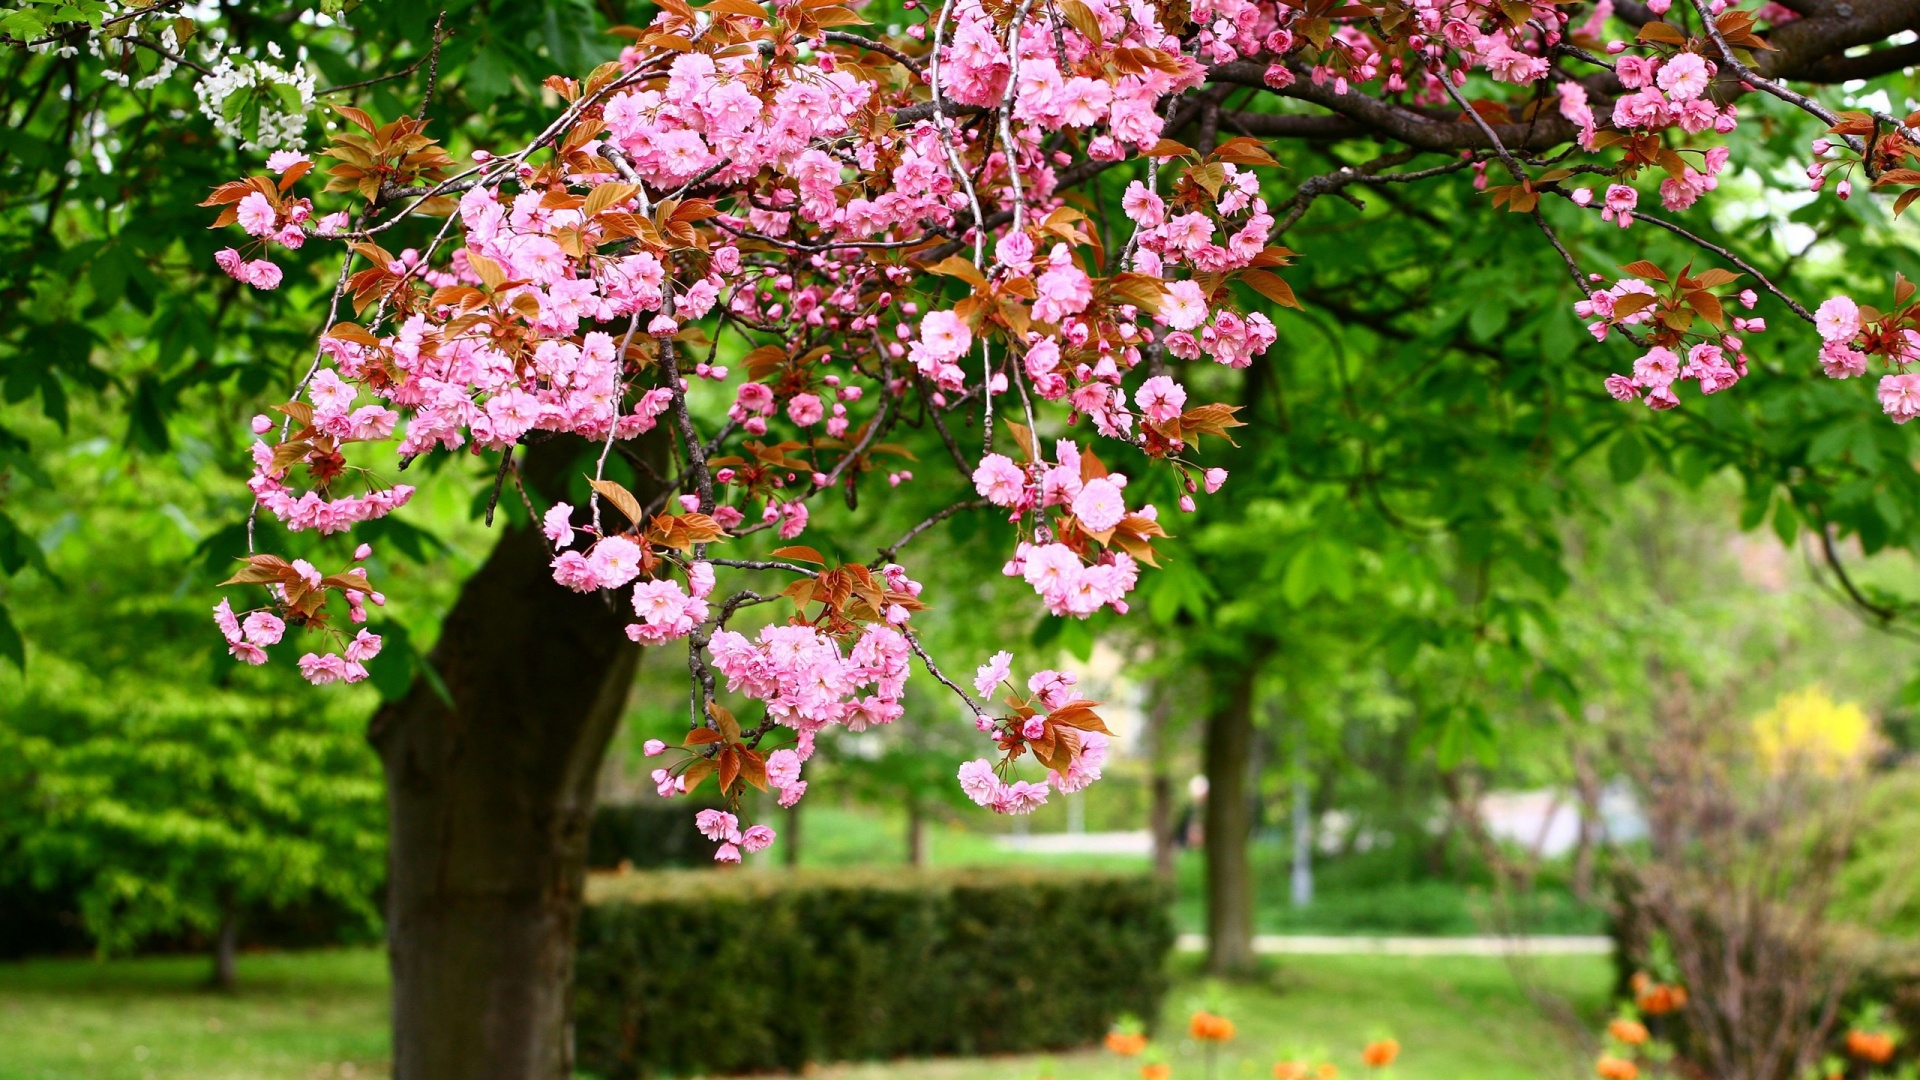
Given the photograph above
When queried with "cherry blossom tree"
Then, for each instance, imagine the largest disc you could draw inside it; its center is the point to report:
(739, 263)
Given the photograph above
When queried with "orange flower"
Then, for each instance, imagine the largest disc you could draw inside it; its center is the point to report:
(1873, 1047)
(1126, 1043)
(1613, 1068)
(1631, 1032)
(1326, 1071)
(1159, 1070)
(1289, 1070)
(1658, 999)
(1207, 1027)
(1380, 1053)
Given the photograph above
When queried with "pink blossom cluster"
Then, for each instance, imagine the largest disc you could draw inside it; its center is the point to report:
(248, 638)
(724, 829)
(1850, 336)
(271, 222)
(1715, 361)
(1067, 582)
(807, 681)
(1824, 165)
(981, 780)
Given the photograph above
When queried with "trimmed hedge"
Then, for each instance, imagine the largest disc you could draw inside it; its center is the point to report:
(691, 972)
(648, 835)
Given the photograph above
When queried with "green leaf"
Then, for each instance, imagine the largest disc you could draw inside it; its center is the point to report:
(1626, 457)
(12, 645)
(1786, 523)
(23, 24)
(18, 550)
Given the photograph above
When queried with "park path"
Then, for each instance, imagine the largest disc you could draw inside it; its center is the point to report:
(1485, 945)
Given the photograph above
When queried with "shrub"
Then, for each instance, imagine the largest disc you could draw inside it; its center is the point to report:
(647, 835)
(865, 964)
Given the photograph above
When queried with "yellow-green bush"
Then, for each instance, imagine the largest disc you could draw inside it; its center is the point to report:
(698, 971)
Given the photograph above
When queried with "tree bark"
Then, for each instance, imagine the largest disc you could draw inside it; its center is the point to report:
(916, 833)
(1229, 821)
(226, 948)
(1160, 819)
(489, 806)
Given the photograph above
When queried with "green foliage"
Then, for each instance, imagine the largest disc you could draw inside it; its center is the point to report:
(1880, 886)
(647, 835)
(856, 965)
(164, 810)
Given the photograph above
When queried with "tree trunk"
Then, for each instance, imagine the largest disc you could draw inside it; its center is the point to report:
(1229, 819)
(1302, 880)
(790, 838)
(489, 806)
(916, 833)
(1160, 819)
(226, 948)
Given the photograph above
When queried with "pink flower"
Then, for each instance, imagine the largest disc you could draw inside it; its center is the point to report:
(1160, 398)
(223, 618)
(1185, 307)
(1214, 478)
(1020, 797)
(1840, 360)
(364, 646)
(999, 480)
(783, 768)
(726, 853)
(944, 336)
(654, 747)
(1838, 319)
(992, 673)
(1900, 396)
(572, 570)
(615, 560)
(805, 410)
(1657, 368)
(1685, 77)
(756, 838)
(308, 572)
(793, 519)
(1621, 200)
(260, 274)
(280, 161)
(792, 794)
(256, 214)
(557, 525)
(717, 825)
(978, 781)
(1143, 206)
(1634, 71)
(321, 670)
(1622, 388)
(668, 785)
(1099, 506)
(264, 629)
(700, 580)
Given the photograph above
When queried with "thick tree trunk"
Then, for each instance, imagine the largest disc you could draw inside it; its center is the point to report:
(1229, 821)
(489, 805)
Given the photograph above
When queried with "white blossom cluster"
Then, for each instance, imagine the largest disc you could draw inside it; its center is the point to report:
(280, 127)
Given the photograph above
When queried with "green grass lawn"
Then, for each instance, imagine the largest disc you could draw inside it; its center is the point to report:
(295, 1016)
(1360, 894)
(302, 1016)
